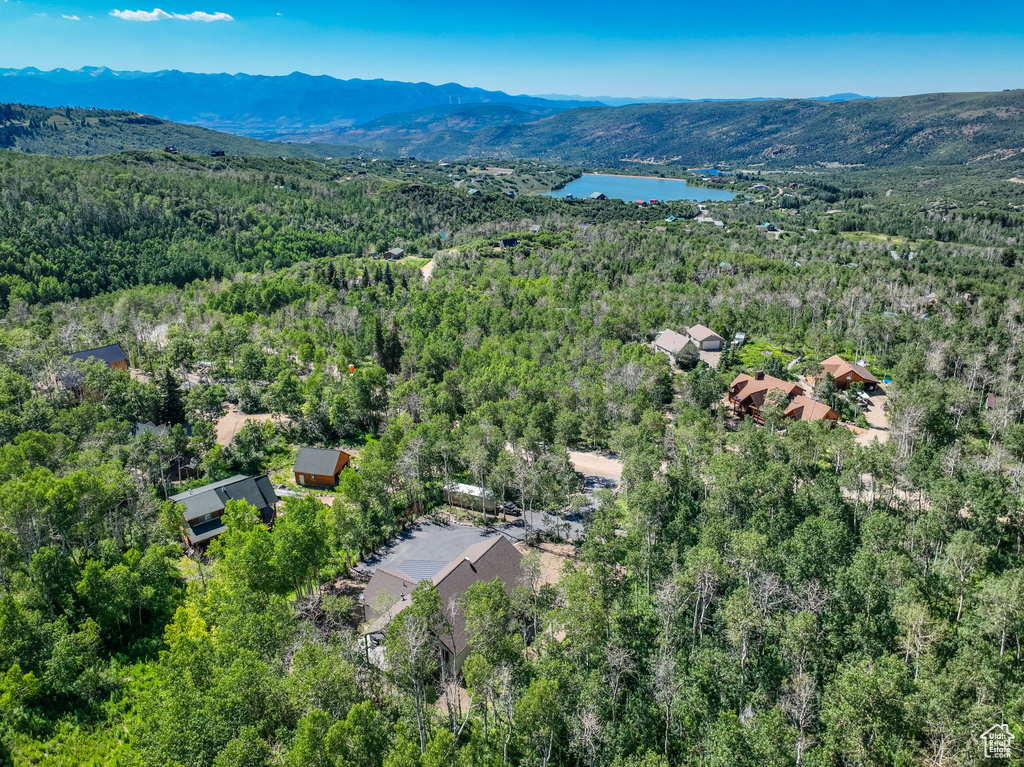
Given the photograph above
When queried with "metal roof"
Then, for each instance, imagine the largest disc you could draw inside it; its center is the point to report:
(421, 569)
(109, 354)
(318, 460)
(256, 491)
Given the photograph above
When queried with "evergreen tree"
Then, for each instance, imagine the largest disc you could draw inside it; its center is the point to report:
(172, 409)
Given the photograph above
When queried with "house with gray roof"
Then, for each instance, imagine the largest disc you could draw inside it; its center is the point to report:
(113, 355)
(319, 467)
(204, 506)
(389, 590)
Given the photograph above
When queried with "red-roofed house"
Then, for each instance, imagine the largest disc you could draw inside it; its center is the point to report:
(847, 373)
(749, 393)
(803, 408)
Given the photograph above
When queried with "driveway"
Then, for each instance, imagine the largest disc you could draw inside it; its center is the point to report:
(878, 420)
(426, 540)
(596, 465)
(709, 358)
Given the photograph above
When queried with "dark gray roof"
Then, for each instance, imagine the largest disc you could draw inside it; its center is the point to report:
(256, 491)
(109, 354)
(492, 558)
(317, 460)
(421, 569)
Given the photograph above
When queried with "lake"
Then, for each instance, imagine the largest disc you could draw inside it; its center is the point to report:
(640, 188)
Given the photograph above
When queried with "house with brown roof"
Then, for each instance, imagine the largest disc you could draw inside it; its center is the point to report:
(390, 589)
(749, 393)
(847, 373)
(803, 408)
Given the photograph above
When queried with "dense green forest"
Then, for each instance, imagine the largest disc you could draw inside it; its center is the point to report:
(747, 595)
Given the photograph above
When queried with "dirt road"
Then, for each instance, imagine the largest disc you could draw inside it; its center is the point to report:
(427, 269)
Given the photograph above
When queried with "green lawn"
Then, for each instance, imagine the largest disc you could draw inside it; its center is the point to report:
(752, 354)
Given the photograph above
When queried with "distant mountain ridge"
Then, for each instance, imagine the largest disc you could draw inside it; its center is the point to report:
(621, 101)
(937, 128)
(253, 105)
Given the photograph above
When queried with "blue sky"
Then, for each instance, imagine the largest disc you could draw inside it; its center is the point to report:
(596, 47)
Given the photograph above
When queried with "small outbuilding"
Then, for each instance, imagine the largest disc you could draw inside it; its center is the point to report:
(319, 467)
(470, 497)
(394, 254)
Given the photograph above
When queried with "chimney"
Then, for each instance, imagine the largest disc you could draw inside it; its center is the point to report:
(759, 375)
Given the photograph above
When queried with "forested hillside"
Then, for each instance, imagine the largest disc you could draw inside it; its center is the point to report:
(941, 128)
(748, 595)
(74, 131)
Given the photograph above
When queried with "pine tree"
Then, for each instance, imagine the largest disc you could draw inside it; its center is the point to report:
(172, 410)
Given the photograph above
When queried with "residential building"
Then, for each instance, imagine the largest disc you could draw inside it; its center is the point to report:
(670, 342)
(389, 590)
(803, 408)
(705, 338)
(205, 505)
(113, 355)
(394, 254)
(749, 393)
(847, 373)
(319, 467)
(599, 196)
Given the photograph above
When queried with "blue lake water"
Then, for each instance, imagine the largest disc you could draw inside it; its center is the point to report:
(636, 188)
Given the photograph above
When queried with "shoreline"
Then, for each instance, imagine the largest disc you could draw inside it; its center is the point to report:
(622, 175)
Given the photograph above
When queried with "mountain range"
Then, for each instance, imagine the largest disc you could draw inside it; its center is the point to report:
(939, 128)
(297, 106)
(621, 101)
(252, 105)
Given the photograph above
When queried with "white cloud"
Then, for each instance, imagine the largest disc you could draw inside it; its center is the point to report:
(70, 18)
(157, 15)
